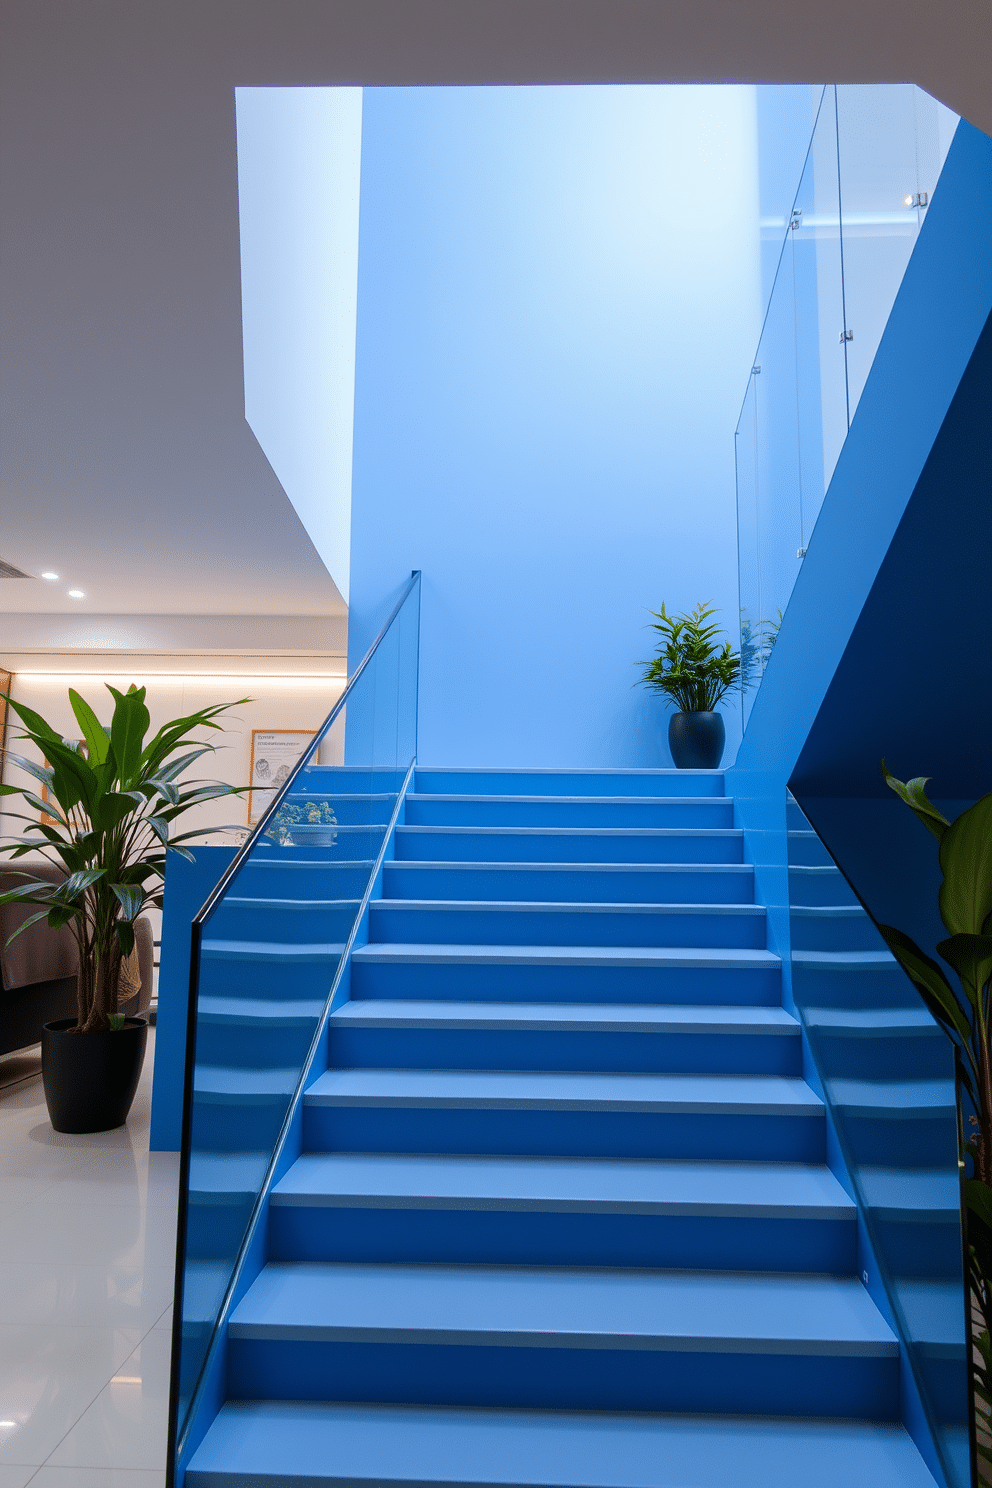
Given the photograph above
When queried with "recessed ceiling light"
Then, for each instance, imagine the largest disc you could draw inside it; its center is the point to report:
(75, 594)
(49, 576)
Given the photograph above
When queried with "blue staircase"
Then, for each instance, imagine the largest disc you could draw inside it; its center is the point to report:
(562, 1214)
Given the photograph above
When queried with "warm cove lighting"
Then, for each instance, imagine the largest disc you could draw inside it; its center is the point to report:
(75, 594)
(325, 681)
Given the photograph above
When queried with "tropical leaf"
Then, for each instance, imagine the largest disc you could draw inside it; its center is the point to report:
(914, 793)
(30, 767)
(971, 958)
(978, 1198)
(94, 733)
(77, 883)
(129, 897)
(966, 860)
(128, 728)
(61, 914)
(125, 936)
(33, 721)
(931, 983)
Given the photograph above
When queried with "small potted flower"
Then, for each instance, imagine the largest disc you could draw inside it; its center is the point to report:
(304, 824)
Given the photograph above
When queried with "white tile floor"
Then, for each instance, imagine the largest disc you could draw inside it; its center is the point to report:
(87, 1242)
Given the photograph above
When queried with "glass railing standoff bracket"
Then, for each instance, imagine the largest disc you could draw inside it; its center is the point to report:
(845, 336)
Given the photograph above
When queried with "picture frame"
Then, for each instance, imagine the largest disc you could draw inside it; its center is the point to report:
(274, 753)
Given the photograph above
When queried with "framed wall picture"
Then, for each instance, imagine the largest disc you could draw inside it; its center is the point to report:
(274, 752)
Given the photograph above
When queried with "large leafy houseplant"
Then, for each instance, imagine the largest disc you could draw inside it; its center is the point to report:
(960, 1002)
(691, 666)
(107, 825)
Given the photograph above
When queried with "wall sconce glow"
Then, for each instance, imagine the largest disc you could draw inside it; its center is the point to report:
(75, 594)
(50, 576)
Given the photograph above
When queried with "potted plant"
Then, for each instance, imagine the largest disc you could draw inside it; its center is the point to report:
(962, 1005)
(694, 670)
(304, 824)
(106, 824)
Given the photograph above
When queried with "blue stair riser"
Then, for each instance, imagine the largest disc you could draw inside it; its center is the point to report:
(270, 921)
(900, 1141)
(349, 780)
(268, 979)
(557, 884)
(295, 878)
(806, 850)
(236, 1126)
(922, 1056)
(921, 1246)
(534, 845)
(946, 1382)
(731, 926)
(215, 1231)
(736, 1383)
(833, 932)
(503, 981)
(557, 1049)
(820, 885)
(852, 989)
(568, 1238)
(569, 782)
(240, 1045)
(557, 1133)
(501, 811)
(359, 810)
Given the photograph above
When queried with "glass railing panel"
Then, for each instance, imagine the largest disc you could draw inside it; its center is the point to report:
(748, 546)
(892, 142)
(887, 1073)
(267, 949)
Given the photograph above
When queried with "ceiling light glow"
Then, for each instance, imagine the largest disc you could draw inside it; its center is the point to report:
(75, 594)
(49, 576)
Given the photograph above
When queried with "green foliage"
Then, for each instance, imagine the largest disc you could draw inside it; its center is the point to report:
(757, 643)
(962, 1010)
(315, 813)
(113, 808)
(691, 666)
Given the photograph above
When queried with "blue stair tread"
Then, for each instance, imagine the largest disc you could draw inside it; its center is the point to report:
(514, 1090)
(220, 1177)
(280, 1443)
(742, 959)
(258, 1012)
(913, 1194)
(233, 901)
(274, 951)
(573, 1017)
(595, 832)
(870, 1022)
(282, 859)
(846, 960)
(828, 912)
(579, 1185)
(415, 865)
(243, 1086)
(702, 801)
(521, 1306)
(894, 1097)
(550, 906)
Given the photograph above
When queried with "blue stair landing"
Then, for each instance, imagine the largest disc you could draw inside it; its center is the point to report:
(562, 1214)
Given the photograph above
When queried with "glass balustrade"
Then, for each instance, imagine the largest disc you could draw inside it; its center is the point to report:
(268, 951)
(887, 1076)
(874, 157)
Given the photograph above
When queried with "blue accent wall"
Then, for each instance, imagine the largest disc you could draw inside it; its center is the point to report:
(559, 300)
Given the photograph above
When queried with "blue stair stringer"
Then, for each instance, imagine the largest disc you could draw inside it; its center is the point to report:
(562, 1214)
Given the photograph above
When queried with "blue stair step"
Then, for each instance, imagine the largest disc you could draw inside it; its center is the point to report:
(250, 1031)
(461, 922)
(564, 1036)
(550, 782)
(259, 968)
(564, 1114)
(529, 1336)
(240, 1110)
(269, 1444)
(821, 883)
(695, 974)
(631, 883)
(569, 811)
(806, 850)
(245, 918)
(898, 1122)
(880, 1043)
(570, 844)
(539, 1211)
(832, 927)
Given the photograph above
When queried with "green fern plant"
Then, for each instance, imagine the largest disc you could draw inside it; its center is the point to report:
(691, 667)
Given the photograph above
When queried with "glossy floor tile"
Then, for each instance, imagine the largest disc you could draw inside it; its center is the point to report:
(87, 1239)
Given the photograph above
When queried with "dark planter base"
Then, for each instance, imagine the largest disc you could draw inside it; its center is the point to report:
(696, 740)
(90, 1078)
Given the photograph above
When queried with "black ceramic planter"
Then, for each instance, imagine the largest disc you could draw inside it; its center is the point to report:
(696, 740)
(90, 1078)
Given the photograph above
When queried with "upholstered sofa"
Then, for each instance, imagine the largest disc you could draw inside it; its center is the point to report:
(38, 970)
